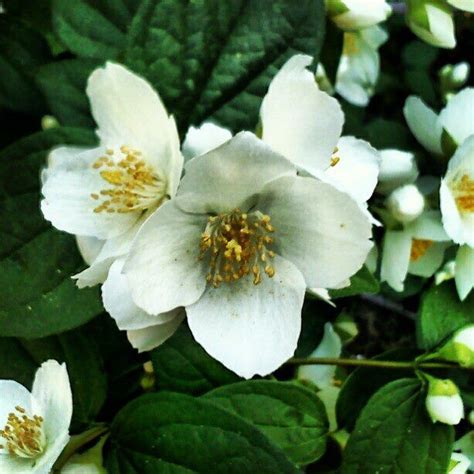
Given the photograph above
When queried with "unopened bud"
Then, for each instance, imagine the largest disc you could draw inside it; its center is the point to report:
(350, 15)
(406, 203)
(443, 402)
(460, 348)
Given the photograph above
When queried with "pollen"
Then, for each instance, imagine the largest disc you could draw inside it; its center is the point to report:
(419, 247)
(463, 191)
(133, 185)
(236, 245)
(23, 435)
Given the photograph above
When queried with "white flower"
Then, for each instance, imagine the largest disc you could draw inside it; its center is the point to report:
(443, 402)
(417, 249)
(466, 5)
(466, 445)
(396, 169)
(460, 347)
(459, 464)
(464, 271)
(238, 252)
(357, 14)
(359, 66)
(36, 424)
(200, 140)
(105, 192)
(432, 21)
(406, 203)
(438, 133)
(457, 195)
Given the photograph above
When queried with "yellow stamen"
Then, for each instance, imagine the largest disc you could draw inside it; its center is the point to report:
(463, 191)
(418, 248)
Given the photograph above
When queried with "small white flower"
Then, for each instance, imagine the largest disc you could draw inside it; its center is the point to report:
(457, 195)
(432, 21)
(359, 66)
(460, 348)
(417, 249)
(443, 402)
(438, 133)
(200, 140)
(406, 203)
(357, 14)
(238, 252)
(459, 464)
(35, 425)
(396, 169)
(466, 5)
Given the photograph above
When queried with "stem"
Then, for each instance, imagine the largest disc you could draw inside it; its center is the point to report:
(381, 364)
(381, 302)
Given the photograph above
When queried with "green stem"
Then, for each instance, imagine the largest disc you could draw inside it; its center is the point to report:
(381, 364)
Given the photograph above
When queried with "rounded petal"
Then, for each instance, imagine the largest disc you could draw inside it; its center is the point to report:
(357, 170)
(251, 329)
(426, 265)
(129, 112)
(68, 205)
(320, 229)
(94, 275)
(466, 5)
(464, 275)
(200, 140)
(358, 15)
(13, 394)
(163, 268)
(147, 338)
(230, 176)
(396, 169)
(54, 449)
(395, 258)
(52, 392)
(89, 247)
(428, 227)
(424, 124)
(457, 117)
(300, 121)
(117, 299)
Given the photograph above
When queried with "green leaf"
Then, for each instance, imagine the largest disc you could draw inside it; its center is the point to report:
(442, 313)
(364, 382)
(394, 434)
(38, 297)
(93, 28)
(64, 85)
(362, 282)
(174, 433)
(19, 360)
(291, 416)
(22, 51)
(332, 50)
(212, 58)
(182, 365)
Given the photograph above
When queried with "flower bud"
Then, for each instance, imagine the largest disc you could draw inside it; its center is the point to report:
(350, 15)
(459, 464)
(460, 348)
(432, 21)
(406, 203)
(444, 404)
(396, 169)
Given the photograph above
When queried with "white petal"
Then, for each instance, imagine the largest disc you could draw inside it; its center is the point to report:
(300, 121)
(129, 112)
(462, 462)
(52, 392)
(424, 124)
(94, 275)
(464, 275)
(396, 169)
(361, 15)
(441, 26)
(427, 264)
(89, 248)
(466, 5)
(322, 294)
(230, 176)
(318, 228)
(117, 299)
(12, 394)
(163, 268)
(457, 118)
(395, 258)
(67, 199)
(330, 346)
(146, 339)
(251, 329)
(200, 140)
(54, 449)
(329, 395)
(429, 227)
(357, 170)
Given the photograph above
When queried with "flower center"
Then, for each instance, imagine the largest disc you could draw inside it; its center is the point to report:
(236, 246)
(463, 192)
(418, 248)
(24, 435)
(134, 185)
(350, 46)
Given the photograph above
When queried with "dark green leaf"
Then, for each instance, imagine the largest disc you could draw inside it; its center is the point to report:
(394, 434)
(174, 433)
(182, 365)
(332, 50)
(442, 313)
(64, 85)
(362, 282)
(37, 296)
(213, 58)
(22, 50)
(291, 416)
